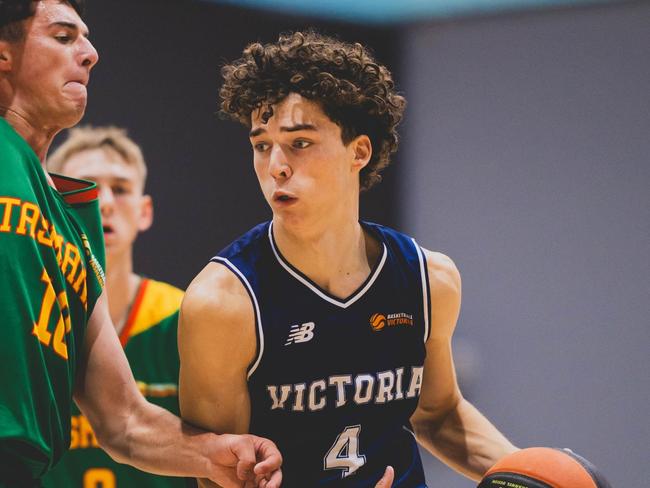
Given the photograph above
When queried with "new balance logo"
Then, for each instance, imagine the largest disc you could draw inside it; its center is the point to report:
(301, 333)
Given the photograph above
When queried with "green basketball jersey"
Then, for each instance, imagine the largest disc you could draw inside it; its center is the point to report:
(51, 275)
(149, 340)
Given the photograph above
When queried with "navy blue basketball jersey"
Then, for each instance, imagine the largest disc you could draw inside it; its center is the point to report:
(335, 381)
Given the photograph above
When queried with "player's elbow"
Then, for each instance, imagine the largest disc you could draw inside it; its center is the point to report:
(114, 443)
(116, 432)
(428, 421)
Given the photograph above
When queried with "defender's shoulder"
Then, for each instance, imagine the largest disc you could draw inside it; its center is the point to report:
(164, 293)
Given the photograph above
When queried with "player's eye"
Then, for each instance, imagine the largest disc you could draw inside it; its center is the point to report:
(261, 146)
(301, 144)
(119, 190)
(63, 38)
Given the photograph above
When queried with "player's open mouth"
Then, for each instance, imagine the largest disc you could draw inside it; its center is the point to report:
(282, 197)
(107, 229)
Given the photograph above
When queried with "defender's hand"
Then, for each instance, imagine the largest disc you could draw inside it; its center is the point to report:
(245, 460)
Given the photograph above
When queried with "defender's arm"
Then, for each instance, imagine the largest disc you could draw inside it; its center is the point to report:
(148, 437)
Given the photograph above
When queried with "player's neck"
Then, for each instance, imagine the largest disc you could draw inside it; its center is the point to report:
(37, 137)
(121, 287)
(337, 258)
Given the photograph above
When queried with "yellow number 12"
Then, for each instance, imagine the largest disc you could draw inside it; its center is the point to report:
(63, 324)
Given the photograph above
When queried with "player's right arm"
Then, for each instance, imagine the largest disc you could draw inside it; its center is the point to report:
(217, 343)
(151, 438)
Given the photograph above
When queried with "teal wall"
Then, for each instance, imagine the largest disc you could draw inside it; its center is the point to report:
(391, 11)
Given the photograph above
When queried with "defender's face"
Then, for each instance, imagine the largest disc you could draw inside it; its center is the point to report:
(125, 210)
(302, 165)
(51, 67)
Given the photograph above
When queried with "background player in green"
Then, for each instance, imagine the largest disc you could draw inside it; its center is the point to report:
(144, 311)
(57, 336)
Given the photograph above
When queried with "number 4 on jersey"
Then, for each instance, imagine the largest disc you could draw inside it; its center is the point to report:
(344, 453)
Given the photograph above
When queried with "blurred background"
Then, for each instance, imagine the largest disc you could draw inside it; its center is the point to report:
(524, 156)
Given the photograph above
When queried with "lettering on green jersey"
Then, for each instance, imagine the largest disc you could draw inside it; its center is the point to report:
(32, 223)
(81, 433)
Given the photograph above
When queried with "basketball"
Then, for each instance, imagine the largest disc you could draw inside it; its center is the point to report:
(543, 467)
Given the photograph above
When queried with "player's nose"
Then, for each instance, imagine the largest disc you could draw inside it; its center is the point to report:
(279, 167)
(106, 201)
(88, 53)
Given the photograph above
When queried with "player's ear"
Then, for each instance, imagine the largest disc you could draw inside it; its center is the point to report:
(6, 56)
(146, 213)
(362, 148)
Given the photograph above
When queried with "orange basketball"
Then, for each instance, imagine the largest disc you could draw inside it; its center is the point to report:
(543, 467)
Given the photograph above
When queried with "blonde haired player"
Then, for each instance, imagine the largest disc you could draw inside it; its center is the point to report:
(144, 311)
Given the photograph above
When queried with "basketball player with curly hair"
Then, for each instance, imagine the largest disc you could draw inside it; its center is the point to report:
(330, 335)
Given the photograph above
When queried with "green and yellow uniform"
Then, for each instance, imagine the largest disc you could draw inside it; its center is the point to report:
(149, 340)
(51, 275)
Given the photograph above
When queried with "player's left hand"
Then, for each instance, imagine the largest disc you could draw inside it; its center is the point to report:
(245, 461)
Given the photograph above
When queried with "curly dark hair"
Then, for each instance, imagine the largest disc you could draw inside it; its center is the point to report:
(13, 11)
(354, 91)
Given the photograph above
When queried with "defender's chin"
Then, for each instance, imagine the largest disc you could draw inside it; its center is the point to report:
(73, 114)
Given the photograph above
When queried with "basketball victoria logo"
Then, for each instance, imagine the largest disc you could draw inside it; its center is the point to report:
(301, 333)
(379, 321)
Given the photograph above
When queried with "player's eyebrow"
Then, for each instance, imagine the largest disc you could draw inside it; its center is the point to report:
(68, 25)
(122, 180)
(292, 128)
(297, 127)
(116, 179)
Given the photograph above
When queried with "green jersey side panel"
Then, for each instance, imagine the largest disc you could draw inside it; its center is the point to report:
(51, 274)
(149, 340)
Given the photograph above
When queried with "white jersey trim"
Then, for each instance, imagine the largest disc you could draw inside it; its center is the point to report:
(258, 316)
(343, 304)
(425, 289)
(409, 431)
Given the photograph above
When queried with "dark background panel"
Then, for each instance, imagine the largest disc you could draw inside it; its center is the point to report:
(159, 77)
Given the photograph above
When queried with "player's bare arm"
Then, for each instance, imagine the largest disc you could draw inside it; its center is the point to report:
(217, 343)
(445, 423)
(134, 431)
